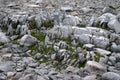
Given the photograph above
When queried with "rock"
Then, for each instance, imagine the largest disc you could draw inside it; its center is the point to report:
(40, 78)
(89, 47)
(28, 40)
(7, 66)
(91, 77)
(115, 47)
(110, 76)
(114, 24)
(3, 38)
(95, 67)
(29, 77)
(103, 60)
(71, 20)
(109, 9)
(112, 59)
(100, 42)
(67, 9)
(56, 17)
(38, 21)
(86, 9)
(79, 31)
(117, 65)
(75, 77)
(102, 52)
(63, 45)
(23, 29)
(117, 56)
(83, 38)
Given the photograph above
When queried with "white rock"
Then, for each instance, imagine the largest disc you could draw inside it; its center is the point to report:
(79, 31)
(102, 52)
(71, 20)
(28, 40)
(91, 77)
(67, 9)
(3, 38)
(95, 67)
(115, 25)
(101, 42)
(84, 38)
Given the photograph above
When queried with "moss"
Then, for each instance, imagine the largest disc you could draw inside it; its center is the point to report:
(2, 44)
(79, 45)
(40, 36)
(32, 24)
(97, 57)
(48, 24)
(81, 25)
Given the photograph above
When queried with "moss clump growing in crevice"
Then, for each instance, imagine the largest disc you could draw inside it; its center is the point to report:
(2, 44)
(97, 57)
(48, 24)
(39, 35)
(81, 25)
(32, 24)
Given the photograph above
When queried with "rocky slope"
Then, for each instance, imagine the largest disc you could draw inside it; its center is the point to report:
(59, 40)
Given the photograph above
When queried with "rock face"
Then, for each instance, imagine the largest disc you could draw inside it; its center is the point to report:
(28, 40)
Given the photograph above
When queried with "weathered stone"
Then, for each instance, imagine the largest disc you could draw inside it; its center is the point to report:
(110, 76)
(28, 40)
(95, 67)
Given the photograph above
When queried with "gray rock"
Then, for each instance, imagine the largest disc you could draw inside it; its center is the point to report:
(117, 65)
(67, 9)
(7, 66)
(23, 29)
(109, 9)
(112, 59)
(88, 46)
(102, 52)
(84, 38)
(91, 77)
(3, 38)
(29, 77)
(10, 30)
(95, 67)
(117, 57)
(38, 21)
(110, 76)
(114, 24)
(101, 42)
(115, 47)
(63, 45)
(71, 20)
(28, 40)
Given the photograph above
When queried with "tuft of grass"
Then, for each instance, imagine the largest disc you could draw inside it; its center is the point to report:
(97, 57)
(32, 24)
(40, 36)
(48, 24)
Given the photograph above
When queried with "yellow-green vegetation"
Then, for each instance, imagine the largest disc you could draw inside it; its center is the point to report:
(39, 35)
(48, 24)
(32, 24)
(97, 57)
